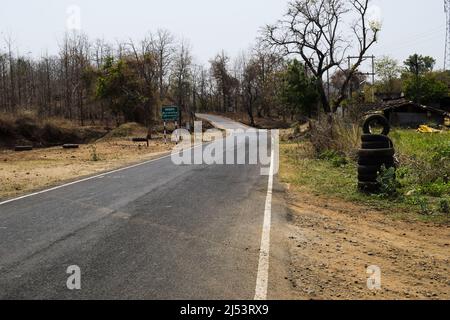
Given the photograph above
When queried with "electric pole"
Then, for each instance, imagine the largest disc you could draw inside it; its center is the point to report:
(447, 36)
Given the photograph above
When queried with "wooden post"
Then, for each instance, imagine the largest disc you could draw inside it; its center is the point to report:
(165, 133)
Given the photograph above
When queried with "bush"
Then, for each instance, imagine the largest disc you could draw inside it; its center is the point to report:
(388, 182)
(94, 155)
(444, 206)
(332, 133)
(7, 129)
(27, 128)
(51, 133)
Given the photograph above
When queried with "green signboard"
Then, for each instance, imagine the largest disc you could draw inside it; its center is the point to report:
(170, 113)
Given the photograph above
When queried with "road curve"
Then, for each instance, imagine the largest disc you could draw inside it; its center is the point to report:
(153, 231)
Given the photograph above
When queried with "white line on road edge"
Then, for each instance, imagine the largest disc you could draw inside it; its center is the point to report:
(82, 180)
(94, 177)
(262, 279)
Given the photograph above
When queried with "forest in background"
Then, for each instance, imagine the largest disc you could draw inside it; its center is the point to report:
(296, 69)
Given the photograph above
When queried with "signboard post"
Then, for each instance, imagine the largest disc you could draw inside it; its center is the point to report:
(170, 113)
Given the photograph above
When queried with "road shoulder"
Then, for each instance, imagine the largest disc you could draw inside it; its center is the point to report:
(333, 242)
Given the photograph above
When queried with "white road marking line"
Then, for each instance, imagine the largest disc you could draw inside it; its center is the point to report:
(262, 279)
(100, 176)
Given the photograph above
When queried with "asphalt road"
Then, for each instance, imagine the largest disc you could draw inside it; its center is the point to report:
(153, 231)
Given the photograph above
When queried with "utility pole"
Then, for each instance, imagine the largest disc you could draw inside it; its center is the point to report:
(372, 73)
(447, 37)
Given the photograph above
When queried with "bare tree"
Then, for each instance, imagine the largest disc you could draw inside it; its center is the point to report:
(224, 81)
(181, 76)
(163, 45)
(145, 61)
(11, 62)
(316, 30)
(251, 89)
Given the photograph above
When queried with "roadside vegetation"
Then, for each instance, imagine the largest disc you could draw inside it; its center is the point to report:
(420, 189)
(26, 128)
(22, 172)
(290, 77)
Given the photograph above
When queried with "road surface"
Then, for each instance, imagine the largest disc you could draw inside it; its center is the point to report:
(152, 231)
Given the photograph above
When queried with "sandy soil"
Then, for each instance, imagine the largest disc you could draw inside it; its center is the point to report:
(332, 243)
(22, 172)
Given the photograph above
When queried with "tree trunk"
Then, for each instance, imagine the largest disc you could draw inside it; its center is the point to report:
(250, 114)
(323, 96)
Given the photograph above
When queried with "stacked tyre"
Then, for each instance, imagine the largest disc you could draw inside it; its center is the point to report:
(377, 151)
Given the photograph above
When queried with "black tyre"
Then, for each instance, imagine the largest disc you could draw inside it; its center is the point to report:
(368, 177)
(379, 119)
(369, 170)
(376, 161)
(376, 145)
(369, 187)
(375, 138)
(378, 153)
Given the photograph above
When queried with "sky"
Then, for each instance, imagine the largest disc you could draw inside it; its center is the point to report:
(210, 26)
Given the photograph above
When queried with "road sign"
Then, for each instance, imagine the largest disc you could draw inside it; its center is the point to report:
(170, 113)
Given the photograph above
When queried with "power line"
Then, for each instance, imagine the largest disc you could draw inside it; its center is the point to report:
(415, 44)
(416, 37)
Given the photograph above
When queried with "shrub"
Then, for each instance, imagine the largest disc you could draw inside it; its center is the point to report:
(26, 127)
(94, 155)
(444, 206)
(6, 127)
(336, 134)
(388, 182)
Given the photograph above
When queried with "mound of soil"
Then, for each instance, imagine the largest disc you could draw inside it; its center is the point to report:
(27, 131)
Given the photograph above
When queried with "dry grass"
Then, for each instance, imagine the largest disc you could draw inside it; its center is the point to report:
(26, 128)
(28, 171)
(335, 134)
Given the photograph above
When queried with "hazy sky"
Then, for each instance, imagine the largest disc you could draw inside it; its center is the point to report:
(209, 25)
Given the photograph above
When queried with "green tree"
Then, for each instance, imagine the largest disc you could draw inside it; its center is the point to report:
(418, 64)
(388, 72)
(117, 85)
(299, 92)
(421, 84)
(425, 88)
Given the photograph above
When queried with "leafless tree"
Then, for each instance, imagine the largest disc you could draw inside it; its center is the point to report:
(145, 61)
(182, 75)
(164, 46)
(225, 82)
(316, 31)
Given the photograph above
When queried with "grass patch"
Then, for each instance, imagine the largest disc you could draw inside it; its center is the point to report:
(419, 146)
(329, 175)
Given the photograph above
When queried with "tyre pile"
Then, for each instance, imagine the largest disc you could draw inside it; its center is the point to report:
(377, 151)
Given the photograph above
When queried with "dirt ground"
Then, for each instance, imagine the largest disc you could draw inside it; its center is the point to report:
(22, 172)
(333, 242)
